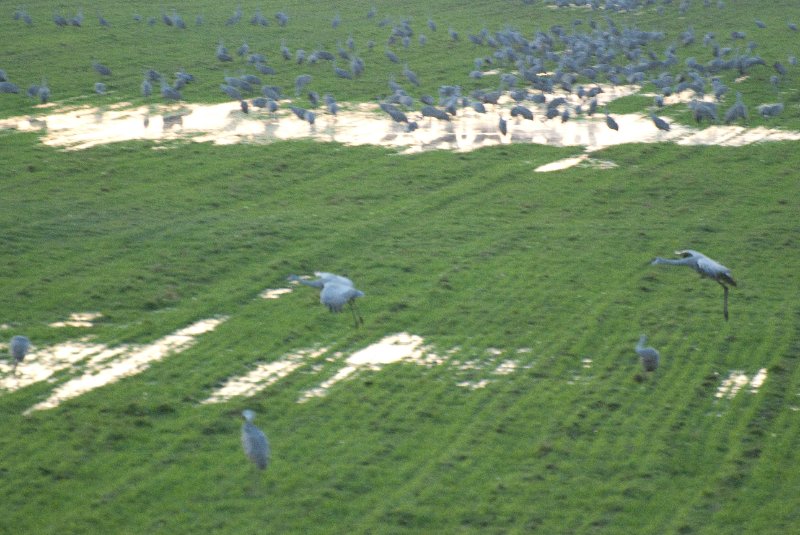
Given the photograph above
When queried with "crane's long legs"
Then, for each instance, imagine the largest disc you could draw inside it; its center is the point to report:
(725, 302)
(356, 315)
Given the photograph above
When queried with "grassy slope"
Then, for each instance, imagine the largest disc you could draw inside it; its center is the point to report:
(473, 250)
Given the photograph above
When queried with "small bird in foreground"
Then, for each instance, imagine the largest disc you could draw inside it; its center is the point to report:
(19, 347)
(706, 267)
(648, 355)
(254, 441)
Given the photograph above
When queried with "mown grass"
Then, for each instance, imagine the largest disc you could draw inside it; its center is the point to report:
(471, 250)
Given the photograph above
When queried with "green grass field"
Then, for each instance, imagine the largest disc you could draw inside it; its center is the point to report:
(471, 251)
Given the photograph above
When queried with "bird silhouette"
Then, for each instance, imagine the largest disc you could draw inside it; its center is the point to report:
(254, 441)
(706, 267)
(336, 292)
(611, 123)
(648, 355)
(19, 347)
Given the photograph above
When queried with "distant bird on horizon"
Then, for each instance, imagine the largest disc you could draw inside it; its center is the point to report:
(660, 123)
(706, 267)
(648, 355)
(18, 348)
(502, 125)
(254, 441)
(336, 292)
(611, 123)
(101, 69)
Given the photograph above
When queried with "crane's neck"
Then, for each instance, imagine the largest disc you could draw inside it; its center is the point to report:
(642, 342)
(688, 261)
(316, 283)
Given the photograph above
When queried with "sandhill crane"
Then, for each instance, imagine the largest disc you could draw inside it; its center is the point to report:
(19, 347)
(648, 355)
(254, 441)
(706, 267)
(336, 292)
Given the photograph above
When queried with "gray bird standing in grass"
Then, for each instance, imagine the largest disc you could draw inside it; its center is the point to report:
(19, 347)
(648, 355)
(254, 441)
(337, 291)
(706, 267)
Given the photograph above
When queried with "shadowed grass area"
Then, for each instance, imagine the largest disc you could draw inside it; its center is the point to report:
(473, 252)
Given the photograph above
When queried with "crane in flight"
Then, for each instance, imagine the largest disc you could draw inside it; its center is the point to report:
(336, 292)
(706, 267)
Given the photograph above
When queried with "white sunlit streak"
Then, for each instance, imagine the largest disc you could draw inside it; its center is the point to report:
(105, 369)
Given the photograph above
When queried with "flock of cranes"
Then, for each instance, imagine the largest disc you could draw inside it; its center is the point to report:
(574, 61)
(530, 58)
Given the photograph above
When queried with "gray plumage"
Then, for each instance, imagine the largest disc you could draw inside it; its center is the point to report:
(522, 111)
(660, 123)
(396, 114)
(168, 92)
(770, 110)
(706, 267)
(8, 87)
(222, 53)
(737, 111)
(336, 292)
(647, 355)
(412, 77)
(101, 69)
(430, 111)
(341, 73)
(301, 82)
(703, 110)
(44, 93)
(18, 348)
(254, 441)
(611, 123)
(231, 91)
